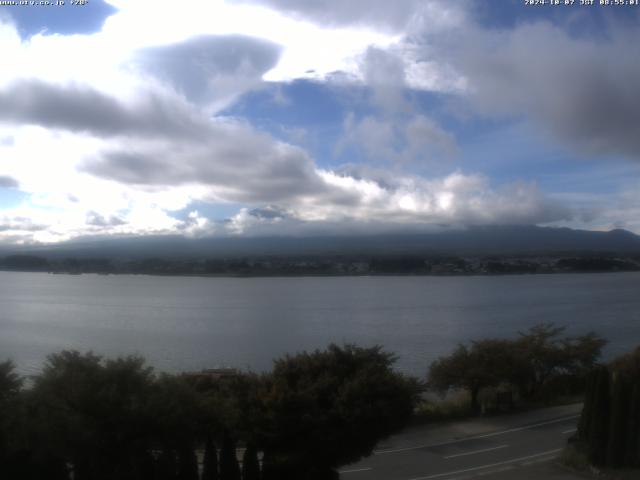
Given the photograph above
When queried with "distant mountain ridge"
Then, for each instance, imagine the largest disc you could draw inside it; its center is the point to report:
(487, 240)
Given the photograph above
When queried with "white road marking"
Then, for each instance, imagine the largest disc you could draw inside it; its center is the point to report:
(496, 470)
(570, 431)
(538, 460)
(482, 467)
(475, 451)
(356, 470)
(474, 437)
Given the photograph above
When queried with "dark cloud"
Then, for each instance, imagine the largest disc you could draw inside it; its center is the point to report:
(21, 224)
(209, 67)
(234, 160)
(582, 91)
(269, 212)
(97, 220)
(83, 109)
(8, 182)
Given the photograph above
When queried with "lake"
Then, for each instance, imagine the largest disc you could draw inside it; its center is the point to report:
(190, 323)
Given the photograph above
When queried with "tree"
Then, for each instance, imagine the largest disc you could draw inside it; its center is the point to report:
(250, 464)
(11, 462)
(609, 431)
(229, 468)
(548, 356)
(210, 461)
(628, 364)
(187, 463)
(486, 363)
(167, 465)
(330, 408)
(538, 359)
(10, 381)
(95, 413)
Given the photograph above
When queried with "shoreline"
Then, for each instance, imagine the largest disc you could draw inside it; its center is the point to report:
(327, 275)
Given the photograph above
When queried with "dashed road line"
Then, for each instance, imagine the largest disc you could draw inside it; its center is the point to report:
(474, 437)
(475, 451)
(484, 467)
(356, 470)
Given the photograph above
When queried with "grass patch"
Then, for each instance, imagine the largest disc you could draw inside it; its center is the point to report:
(433, 409)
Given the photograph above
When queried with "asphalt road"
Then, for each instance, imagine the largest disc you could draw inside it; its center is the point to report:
(482, 447)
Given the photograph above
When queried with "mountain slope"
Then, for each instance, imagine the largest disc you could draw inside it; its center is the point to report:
(472, 241)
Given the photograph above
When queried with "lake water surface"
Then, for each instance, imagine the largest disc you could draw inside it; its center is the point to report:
(189, 323)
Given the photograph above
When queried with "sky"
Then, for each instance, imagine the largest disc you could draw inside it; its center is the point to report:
(313, 117)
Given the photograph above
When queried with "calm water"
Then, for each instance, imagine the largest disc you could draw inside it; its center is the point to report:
(182, 323)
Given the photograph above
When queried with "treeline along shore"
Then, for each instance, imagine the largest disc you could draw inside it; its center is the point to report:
(329, 265)
(84, 417)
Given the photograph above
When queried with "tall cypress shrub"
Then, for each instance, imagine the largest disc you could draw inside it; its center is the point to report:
(167, 465)
(210, 461)
(599, 421)
(632, 450)
(618, 421)
(250, 464)
(229, 468)
(187, 464)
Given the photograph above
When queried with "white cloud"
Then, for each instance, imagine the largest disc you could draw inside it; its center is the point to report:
(413, 139)
(123, 134)
(308, 50)
(391, 203)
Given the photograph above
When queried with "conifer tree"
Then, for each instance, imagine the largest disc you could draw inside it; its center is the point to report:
(599, 421)
(618, 421)
(187, 464)
(250, 464)
(229, 468)
(210, 462)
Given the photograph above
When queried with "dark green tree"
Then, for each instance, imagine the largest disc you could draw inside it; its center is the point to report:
(330, 408)
(609, 428)
(10, 381)
(95, 414)
(632, 454)
(10, 385)
(210, 461)
(620, 397)
(486, 363)
(250, 463)
(596, 426)
(229, 468)
(548, 356)
(187, 463)
(167, 465)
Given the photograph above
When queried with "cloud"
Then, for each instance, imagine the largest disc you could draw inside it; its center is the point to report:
(424, 136)
(19, 225)
(211, 69)
(579, 89)
(308, 49)
(236, 162)
(125, 138)
(80, 108)
(413, 139)
(97, 220)
(8, 182)
(395, 16)
(384, 73)
(383, 202)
